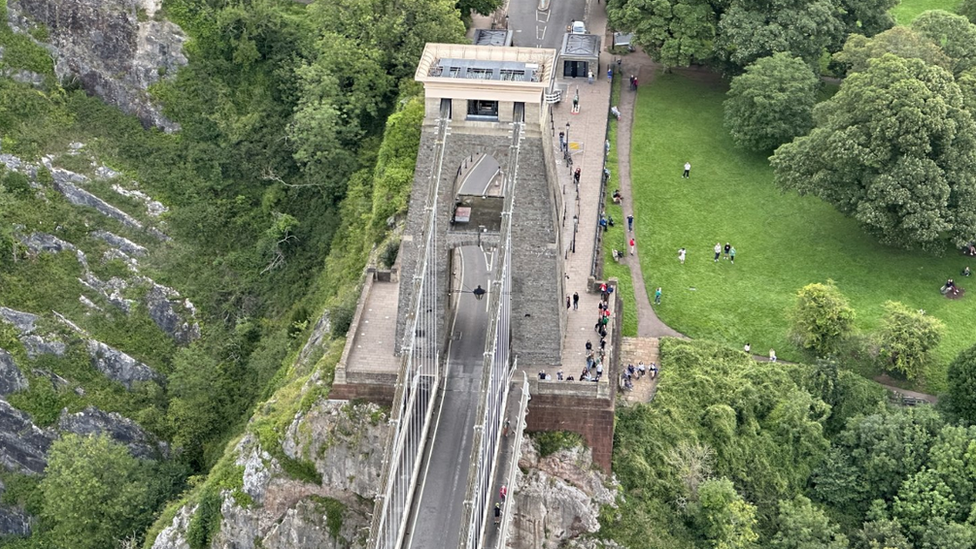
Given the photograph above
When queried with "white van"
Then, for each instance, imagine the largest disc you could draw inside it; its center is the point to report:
(577, 27)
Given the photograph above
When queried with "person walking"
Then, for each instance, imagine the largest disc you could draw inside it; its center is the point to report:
(589, 78)
(567, 303)
(732, 255)
(772, 355)
(630, 222)
(747, 348)
(681, 255)
(609, 74)
(687, 172)
(577, 174)
(657, 295)
(727, 248)
(631, 245)
(718, 251)
(503, 492)
(575, 301)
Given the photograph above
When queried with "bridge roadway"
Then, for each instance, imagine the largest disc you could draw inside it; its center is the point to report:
(436, 520)
(543, 29)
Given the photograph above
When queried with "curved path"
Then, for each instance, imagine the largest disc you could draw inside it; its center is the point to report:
(648, 324)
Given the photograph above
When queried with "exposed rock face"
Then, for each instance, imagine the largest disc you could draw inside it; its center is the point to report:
(291, 514)
(559, 498)
(121, 243)
(11, 378)
(114, 47)
(81, 197)
(23, 445)
(13, 522)
(345, 442)
(162, 303)
(117, 365)
(43, 242)
(123, 430)
(24, 322)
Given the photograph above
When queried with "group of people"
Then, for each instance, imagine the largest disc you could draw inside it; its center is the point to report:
(748, 349)
(633, 373)
(728, 250)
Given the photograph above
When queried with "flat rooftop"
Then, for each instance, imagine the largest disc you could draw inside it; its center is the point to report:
(496, 37)
(453, 64)
(580, 45)
(482, 69)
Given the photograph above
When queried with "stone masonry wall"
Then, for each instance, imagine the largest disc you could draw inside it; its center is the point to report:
(591, 418)
(536, 268)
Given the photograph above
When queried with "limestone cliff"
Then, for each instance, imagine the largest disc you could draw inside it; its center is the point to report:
(557, 500)
(344, 441)
(115, 48)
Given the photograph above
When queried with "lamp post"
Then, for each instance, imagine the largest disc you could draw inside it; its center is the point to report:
(479, 292)
(566, 155)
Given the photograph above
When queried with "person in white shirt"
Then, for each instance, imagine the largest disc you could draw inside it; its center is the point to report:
(687, 173)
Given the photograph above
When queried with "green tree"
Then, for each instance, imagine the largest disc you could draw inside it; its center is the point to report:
(953, 33)
(93, 493)
(771, 102)
(894, 148)
(752, 29)
(967, 9)
(940, 534)
(960, 398)
(901, 41)
(880, 531)
(803, 525)
(677, 33)
(484, 7)
(821, 317)
(726, 520)
(921, 498)
(906, 337)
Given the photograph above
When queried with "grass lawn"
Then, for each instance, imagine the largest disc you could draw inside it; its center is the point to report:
(783, 241)
(907, 10)
(616, 237)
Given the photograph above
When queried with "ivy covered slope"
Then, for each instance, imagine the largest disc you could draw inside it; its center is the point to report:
(745, 454)
(157, 286)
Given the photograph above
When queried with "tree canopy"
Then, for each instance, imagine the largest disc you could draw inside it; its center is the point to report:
(894, 148)
(822, 317)
(771, 102)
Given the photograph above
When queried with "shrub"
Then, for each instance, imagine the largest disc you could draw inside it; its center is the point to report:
(551, 442)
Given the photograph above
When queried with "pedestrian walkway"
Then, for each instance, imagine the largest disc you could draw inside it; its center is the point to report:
(640, 65)
(632, 351)
(586, 135)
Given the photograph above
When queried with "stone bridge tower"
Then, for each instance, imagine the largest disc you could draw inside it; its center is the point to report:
(494, 98)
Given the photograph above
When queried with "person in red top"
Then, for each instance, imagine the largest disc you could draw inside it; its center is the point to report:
(632, 246)
(503, 492)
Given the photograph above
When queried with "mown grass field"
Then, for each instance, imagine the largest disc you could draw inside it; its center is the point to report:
(783, 241)
(907, 10)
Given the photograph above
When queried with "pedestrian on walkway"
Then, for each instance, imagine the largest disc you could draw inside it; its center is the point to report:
(631, 245)
(635, 83)
(632, 80)
(718, 250)
(657, 295)
(576, 104)
(630, 223)
(503, 492)
(747, 348)
(727, 249)
(577, 174)
(609, 76)
(508, 424)
(575, 301)
(641, 369)
(603, 222)
(772, 355)
(687, 172)
(562, 141)
(607, 146)
(567, 302)
(681, 255)
(589, 78)
(732, 255)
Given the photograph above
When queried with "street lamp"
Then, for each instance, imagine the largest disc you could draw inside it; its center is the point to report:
(479, 292)
(566, 156)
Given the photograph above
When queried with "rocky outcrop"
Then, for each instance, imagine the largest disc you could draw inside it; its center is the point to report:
(120, 243)
(162, 303)
(92, 421)
(345, 442)
(81, 197)
(14, 522)
(115, 48)
(23, 445)
(118, 366)
(26, 323)
(43, 242)
(11, 378)
(558, 499)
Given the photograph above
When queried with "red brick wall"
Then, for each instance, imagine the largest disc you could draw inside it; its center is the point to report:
(377, 394)
(593, 419)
